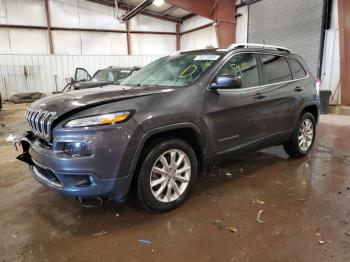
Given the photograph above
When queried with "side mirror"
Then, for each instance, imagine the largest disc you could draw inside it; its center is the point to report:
(226, 82)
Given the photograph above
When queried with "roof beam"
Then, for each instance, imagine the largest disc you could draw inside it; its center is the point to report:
(169, 18)
(169, 10)
(126, 7)
(136, 10)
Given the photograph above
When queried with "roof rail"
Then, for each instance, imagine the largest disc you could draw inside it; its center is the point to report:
(243, 45)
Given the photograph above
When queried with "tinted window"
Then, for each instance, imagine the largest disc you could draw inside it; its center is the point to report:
(276, 69)
(244, 66)
(297, 68)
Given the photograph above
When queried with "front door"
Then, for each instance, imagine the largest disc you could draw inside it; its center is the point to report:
(236, 116)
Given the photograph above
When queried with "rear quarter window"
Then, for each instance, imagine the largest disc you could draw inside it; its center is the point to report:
(275, 68)
(297, 68)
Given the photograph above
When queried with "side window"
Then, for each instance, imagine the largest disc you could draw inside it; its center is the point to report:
(81, 74)
(244, 66)
(275, 68)
(297, 68)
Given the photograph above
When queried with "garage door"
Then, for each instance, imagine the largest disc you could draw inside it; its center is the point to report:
(296, 24)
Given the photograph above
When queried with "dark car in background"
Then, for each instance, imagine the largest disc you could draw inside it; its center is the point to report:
(107, 76)
(179, 114)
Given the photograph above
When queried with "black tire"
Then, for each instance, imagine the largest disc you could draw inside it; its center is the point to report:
(292, 146)
(144, 192)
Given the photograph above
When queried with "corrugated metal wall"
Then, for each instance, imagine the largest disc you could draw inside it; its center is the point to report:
(296, 24)
(37, 73)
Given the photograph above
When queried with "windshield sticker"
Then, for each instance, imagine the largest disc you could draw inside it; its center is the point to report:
(206, 57)
(125, 71)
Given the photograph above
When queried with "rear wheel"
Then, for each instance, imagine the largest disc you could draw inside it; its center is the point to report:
(303, 136)
(167, 175)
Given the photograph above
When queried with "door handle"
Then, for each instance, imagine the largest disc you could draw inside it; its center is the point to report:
(299, 88)
(260, 96)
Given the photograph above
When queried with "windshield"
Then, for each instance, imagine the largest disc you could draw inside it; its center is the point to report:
(111, 75)
(177, 70)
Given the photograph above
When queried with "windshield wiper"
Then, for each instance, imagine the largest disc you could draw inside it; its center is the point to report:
(145, 85)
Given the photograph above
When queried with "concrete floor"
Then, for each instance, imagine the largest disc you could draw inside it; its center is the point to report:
(305, 202)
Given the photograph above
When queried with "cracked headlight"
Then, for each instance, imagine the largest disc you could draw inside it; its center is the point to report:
(105, 119)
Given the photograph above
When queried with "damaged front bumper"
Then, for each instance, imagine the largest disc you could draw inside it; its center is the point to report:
(69, 176)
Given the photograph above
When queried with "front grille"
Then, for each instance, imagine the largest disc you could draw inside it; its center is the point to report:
(40, 121)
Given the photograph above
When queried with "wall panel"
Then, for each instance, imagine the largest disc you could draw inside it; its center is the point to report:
(79, 14)
(4, 41)
(199, 39)
(64, 13)
(103, 43)
(28, 41)
(19, 12)
(66, 42)
(242, 25)
(194, 22)
(94, 15)
(146, 23)
(150, 44)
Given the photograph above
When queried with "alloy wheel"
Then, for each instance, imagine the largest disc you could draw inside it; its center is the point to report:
(306, 134)
(170, 175)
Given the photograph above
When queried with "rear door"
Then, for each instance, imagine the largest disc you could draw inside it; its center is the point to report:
(281, 99)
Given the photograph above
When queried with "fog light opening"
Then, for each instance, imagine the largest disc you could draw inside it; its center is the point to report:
(79, 180)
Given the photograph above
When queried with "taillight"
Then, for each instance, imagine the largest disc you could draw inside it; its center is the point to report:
(318, 85)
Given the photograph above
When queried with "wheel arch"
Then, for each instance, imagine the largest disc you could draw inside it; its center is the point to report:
(312, 109)
(186, 131)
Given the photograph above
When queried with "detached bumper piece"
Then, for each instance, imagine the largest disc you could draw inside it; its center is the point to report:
(26, 158)
(44, 175)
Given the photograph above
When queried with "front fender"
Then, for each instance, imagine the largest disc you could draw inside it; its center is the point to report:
(159, 130)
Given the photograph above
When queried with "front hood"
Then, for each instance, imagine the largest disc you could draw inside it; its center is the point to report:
(77, 100)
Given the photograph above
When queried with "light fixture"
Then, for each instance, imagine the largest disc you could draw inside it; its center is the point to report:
(158, 2)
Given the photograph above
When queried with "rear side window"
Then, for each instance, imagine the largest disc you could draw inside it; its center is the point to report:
(276, 69)
(297, 68)
(244, 66)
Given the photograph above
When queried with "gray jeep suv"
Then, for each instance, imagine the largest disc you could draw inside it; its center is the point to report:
(179, 114)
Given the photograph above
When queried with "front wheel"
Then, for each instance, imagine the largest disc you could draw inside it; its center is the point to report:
(303, 138)
(167, 175)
